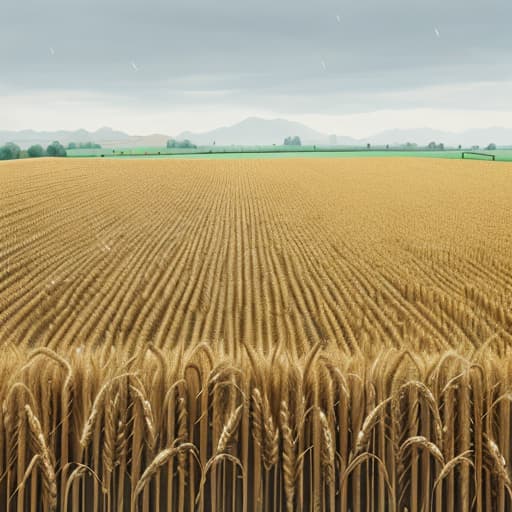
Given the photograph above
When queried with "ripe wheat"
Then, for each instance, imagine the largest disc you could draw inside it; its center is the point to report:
(253, 336)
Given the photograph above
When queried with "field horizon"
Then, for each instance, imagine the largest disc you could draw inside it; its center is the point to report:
(255, 152)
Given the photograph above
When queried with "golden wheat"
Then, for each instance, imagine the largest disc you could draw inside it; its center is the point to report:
(256, 335)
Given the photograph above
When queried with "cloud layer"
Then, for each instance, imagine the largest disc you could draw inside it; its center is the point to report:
(292, 58)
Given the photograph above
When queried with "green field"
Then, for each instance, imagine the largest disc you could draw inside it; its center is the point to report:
(503, 155)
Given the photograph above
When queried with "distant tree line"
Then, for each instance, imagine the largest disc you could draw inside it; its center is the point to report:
(292, 141)
(11, 151)
(172, 143)
(83, 145)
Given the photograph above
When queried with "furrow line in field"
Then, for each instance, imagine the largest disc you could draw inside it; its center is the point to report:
(209, 245)
(47, 270)
(186, 265)
(125, 294)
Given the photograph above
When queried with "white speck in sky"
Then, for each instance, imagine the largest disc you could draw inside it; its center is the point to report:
(134, 66)
(338, 19)
(52, 51)
(436, 30)
(323, 64)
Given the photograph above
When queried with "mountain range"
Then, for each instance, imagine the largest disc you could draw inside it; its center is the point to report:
(105, 136)
(258, 131)
(255, 130)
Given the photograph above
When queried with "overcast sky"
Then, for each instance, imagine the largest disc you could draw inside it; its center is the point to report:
(351, 67)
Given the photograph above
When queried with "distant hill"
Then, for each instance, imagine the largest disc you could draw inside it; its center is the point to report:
(422, 136)
(26, 138)
(105, 136)
(255, 130)
(258, 131)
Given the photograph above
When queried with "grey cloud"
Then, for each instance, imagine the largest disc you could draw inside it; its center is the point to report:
(264, 52)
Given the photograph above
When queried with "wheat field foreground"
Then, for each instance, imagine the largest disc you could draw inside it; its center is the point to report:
(255, 335)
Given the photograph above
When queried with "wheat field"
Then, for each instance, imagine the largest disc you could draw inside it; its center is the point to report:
(255, 335)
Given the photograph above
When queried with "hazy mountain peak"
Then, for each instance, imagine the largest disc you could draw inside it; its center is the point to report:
(256, 130)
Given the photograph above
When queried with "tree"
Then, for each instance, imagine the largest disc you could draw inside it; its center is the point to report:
(172, 143)
(432, 145)
(292, 141)
(35, 151)
(84, 145)
(56, 149)
(491, 147)
(10, 151)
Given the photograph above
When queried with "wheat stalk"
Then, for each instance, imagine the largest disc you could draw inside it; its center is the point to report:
(229, 429)
(160, 459)
(41, 449)
(368, 425)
